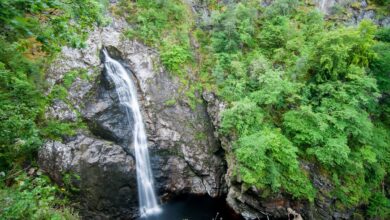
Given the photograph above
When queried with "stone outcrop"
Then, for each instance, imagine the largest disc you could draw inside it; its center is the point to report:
(185, 155)
(352, 12)
(107, 174)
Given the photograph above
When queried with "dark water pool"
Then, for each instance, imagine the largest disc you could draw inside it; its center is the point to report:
(195, 208)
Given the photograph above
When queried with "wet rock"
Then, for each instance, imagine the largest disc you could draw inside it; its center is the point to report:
(105, 116)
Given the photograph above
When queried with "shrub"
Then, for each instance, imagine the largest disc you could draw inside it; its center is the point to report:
(33, 198)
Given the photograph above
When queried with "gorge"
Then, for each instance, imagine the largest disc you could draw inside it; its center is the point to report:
(188, 156)
(194, 109)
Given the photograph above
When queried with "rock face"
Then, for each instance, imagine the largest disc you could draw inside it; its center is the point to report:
(353, 11)
(107, 174)
(105, 116)
(185, 155)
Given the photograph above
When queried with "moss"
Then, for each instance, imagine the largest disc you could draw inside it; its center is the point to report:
(69, 78)
(55, 130)
(83, 73)
(72, 75)
(356, 5)
(58, 92)
(200, 136)
(170, 102)
(357, 216)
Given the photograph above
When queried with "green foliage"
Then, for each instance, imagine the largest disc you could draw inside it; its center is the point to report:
(33, 198)
(152, 19)
(275, 91)
(56, 129)
(174, 58)
(242, 118)
(383, 2)
(58, 92)
(338, 52)
(30, 33)
(380, 68)
(274, 33)
(200, 136)
(170, 102)
(379, 206)
(69, 78)
(268, 159)
(167, 26)
(383, 34)
(70, 182)
(297, 88)
(48, 20)
(20, 103)
(302, 91)
(233, 29)
(282, 8)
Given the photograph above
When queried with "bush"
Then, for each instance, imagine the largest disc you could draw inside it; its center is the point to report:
(33, 198)
(20, 104)
(379, 206)
(268, 159)
(174, 58)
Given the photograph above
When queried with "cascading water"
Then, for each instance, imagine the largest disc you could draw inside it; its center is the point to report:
(128, 97)
(325, 5)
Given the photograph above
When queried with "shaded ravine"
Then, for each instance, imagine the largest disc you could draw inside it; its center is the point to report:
(128, 98)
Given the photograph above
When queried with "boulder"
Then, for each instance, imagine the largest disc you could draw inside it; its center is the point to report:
(106, 182)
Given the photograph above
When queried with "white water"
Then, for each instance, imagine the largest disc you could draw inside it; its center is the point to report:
(128, 97)
(323, 5)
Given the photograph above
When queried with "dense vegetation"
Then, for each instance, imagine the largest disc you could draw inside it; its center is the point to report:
(300, 90)
(31, 32)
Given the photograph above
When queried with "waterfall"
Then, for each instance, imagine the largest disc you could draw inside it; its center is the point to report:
(323, 5)
(127, 94)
